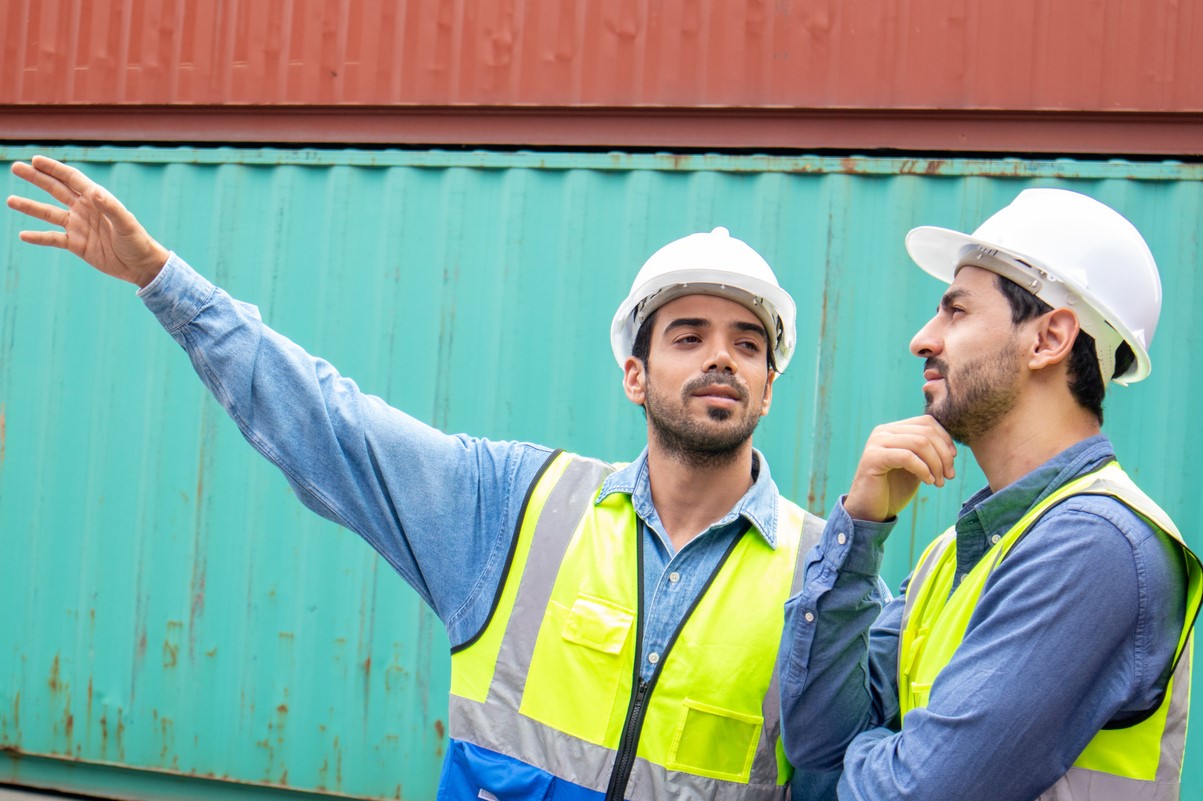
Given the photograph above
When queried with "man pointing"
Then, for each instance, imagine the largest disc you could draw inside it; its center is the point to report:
(614, 629)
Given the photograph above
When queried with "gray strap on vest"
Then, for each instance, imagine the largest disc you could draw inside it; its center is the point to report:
(562, 513)
(764, 767)
(918, 579)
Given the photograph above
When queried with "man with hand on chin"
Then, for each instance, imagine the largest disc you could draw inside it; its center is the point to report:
(614, 629)
(1041, 648)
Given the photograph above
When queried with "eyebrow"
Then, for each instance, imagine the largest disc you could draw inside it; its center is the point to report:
(702, 322)
(950, 297)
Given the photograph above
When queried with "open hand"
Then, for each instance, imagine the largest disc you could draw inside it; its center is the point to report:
(897, 458)
(95, 226)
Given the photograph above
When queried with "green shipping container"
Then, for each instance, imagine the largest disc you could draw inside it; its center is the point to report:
(176, 625)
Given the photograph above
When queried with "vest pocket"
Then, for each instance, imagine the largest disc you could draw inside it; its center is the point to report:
(598, 624)
(580, 664)
(714, 742)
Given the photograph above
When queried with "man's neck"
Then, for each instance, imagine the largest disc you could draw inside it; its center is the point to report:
(1028, 437)
(690, 498)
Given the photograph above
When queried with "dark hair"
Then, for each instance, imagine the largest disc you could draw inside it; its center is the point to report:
(642, 345)
(1085, 381)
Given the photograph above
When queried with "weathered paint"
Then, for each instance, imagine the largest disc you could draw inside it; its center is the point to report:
(182, 614)
(1027, 76)
(1072, 55)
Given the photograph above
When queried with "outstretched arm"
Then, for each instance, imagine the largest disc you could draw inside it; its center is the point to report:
(96, 227)
(441, 509)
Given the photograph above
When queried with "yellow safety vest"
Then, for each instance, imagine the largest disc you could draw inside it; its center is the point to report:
(1141, 762)
(552, 680)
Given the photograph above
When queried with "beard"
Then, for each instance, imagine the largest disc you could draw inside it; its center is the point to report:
(691, 441)
(977, 397)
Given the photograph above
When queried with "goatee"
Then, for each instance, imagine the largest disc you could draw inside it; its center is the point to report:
(691, 442)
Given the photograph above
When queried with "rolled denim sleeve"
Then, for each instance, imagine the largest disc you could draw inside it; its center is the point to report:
(440, 509)
(840, 649)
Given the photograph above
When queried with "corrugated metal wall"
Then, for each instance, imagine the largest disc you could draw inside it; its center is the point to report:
(1028, 76)
(1092, 55)
(169, 607)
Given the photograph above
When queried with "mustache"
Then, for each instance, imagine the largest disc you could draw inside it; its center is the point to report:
(716, 379)
(932, 363)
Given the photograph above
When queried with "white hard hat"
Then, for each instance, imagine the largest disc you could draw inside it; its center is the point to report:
(1071, 251)
(708, 264)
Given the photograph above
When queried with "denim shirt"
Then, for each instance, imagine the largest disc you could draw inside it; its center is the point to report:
(395, 480)
(1076, 627)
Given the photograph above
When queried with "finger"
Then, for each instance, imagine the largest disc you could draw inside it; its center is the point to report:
(74, 179)
(908, 433)
(895, 449)
(944, 442)
(917, 466)
(50, 239)
(44, 181)
(55, 215)
(123, 221)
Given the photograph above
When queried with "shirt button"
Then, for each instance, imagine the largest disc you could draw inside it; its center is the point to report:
(674, 577)
(810, 617)
(841, 539)
(995, 538)
(653, 658)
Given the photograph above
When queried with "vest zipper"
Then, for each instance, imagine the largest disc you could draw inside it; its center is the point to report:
(629, 743)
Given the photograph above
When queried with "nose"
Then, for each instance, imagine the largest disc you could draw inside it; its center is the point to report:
(926, 341)
(720, 357)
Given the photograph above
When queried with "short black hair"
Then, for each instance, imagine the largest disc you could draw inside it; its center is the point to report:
(642, 345)
(1085, 380)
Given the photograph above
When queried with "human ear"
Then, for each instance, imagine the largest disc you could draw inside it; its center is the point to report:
(1055, 336)
(634, 380)
(768, 393)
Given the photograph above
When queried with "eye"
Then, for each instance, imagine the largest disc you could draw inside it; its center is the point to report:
(688, 339)
(750, 345)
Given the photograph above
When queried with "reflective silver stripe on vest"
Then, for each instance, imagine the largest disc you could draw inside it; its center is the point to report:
(589, 765)
(566, 506)
(764, 765)
(1090, 785)
(918, 579)
(1173, 741)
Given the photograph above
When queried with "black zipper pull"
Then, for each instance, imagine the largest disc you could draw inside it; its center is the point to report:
(628, 745)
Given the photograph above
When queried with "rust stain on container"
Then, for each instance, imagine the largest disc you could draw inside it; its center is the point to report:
(1110, 55)
(55, 683)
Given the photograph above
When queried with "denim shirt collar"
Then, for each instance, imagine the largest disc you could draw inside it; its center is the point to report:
(758, 505)
(997, 512)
